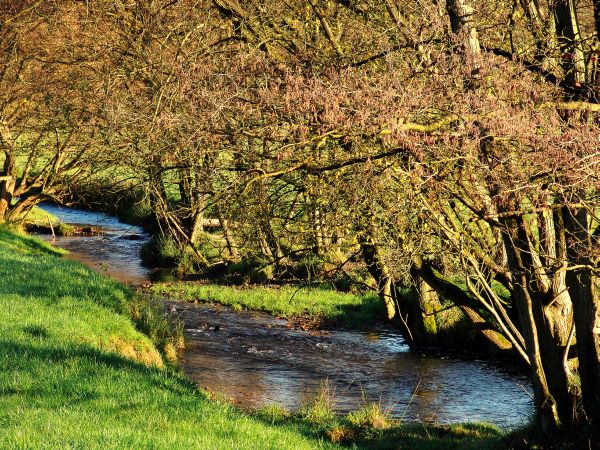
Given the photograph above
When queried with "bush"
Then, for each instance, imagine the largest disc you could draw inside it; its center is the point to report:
(243, 267)
(135, 212)
(309, 267)
(262, 275)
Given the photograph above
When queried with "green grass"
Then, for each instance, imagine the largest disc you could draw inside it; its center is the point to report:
(374, 430)
(316, 304)
(75, 372)
(40, 217)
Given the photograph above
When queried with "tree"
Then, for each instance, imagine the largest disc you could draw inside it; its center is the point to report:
(47, 118)
(452, 147)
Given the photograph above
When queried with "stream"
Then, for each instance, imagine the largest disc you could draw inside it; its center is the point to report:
(116, 251)
(256, 359)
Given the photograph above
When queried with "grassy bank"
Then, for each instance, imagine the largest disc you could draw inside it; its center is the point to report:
(313, 306)
(76, 372)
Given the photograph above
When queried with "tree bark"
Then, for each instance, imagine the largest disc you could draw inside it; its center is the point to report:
(7, 185)
(597, 17)
(531, 317)
(569, 40)
(583, 288)
(463, 26)
(380, 272)
(455, 294)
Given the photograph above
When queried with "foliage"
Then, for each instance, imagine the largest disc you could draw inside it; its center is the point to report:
(419, 140)
(160, 251)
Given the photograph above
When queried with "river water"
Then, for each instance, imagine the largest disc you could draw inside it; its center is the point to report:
(116, 251)
(256, 359)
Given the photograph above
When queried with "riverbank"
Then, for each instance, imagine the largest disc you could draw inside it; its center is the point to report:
(313, 307)
(75, 371)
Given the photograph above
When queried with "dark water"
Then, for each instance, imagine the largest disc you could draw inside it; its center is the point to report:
(256, 359)
(116, 252)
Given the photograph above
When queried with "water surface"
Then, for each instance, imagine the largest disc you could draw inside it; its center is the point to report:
(115, 252)
(256, 359)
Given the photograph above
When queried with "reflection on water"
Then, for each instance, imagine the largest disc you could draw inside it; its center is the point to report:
(257, 360)
(116, 252)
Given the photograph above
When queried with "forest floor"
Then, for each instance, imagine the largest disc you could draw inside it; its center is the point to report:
(77, 372)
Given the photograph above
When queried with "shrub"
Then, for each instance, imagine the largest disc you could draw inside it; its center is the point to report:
(160, 251)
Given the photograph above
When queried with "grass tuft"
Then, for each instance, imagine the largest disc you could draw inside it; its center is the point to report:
(370, 416)
(273, 413)
(319, 408)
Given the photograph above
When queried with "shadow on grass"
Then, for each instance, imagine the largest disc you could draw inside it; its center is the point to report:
(26, 243)
(418, 436)
(83, 364)
(57, 280)
(473, 436)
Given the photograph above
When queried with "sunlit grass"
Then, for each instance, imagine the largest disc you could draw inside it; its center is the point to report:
(38, 216)
(75, 372)
(317, 304)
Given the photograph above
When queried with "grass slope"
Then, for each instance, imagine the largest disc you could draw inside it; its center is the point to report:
(75, 373)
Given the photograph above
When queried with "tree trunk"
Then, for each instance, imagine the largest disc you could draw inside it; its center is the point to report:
(569, 39)
(7, 185)
(227, 235)
(531, 317)
(450, 291)
(196, 227)
(463, 27)
(597, 17)
(317, 225)
(543, 31)
(380, 272)
(546, 254)
(583, 287)
(429, 302)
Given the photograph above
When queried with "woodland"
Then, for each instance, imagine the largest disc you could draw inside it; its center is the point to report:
(448, 148)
